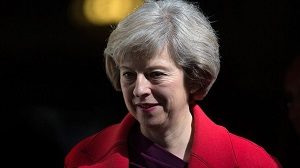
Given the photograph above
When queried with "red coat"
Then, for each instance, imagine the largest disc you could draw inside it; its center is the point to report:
(213, 147)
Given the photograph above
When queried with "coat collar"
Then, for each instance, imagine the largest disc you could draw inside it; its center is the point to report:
(211, 146)
(111, 140)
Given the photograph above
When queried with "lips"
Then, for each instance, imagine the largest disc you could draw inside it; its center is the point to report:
(146, 105)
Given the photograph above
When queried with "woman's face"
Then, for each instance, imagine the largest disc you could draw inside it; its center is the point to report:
(154, 90)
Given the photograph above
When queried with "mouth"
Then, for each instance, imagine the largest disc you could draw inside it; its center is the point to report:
(146, 105)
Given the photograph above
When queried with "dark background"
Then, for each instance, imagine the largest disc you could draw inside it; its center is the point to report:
(54, 90)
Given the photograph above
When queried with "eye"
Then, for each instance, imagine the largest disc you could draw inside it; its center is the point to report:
(128, 75)
(155, 74)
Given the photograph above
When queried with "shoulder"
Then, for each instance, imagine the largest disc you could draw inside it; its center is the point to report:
(102, 146)
(249, 154)
(87, 150)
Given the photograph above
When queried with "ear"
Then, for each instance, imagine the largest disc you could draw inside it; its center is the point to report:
(196, 92)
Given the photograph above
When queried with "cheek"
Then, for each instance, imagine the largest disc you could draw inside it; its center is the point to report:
(174, 93)
(127, 97)
(126, 94)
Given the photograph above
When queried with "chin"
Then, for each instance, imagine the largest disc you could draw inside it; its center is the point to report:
(154, 122)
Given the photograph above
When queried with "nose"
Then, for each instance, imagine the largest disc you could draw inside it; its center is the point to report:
(142, 86)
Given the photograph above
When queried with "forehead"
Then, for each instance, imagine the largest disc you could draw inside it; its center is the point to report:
(157, 59)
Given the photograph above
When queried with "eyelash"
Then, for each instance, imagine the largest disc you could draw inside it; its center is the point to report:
(154, 75)
(128, 75)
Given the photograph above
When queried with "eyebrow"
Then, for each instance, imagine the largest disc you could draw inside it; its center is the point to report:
(124, 67)
(147, 68)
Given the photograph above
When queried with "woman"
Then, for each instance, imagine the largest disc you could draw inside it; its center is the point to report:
(164, 57)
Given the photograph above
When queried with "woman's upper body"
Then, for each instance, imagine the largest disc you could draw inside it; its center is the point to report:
(163, 57)
(212, 147)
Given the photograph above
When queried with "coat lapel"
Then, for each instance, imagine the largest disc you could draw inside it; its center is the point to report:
(211, 143)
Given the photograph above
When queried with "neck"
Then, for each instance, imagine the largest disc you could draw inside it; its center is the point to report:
(175, 137)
